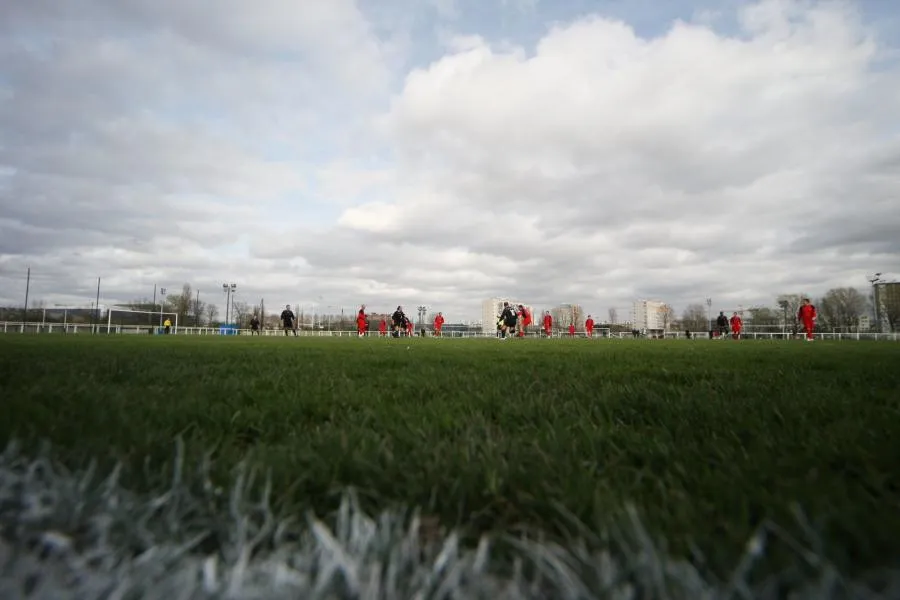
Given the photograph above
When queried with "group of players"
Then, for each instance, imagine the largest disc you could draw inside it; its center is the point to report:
(806, 316)
(515, 320)
(401, 325)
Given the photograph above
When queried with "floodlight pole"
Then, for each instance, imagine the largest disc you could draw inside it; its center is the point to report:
(229, 289)
(422, 310)
(162, 301)
(233, 289)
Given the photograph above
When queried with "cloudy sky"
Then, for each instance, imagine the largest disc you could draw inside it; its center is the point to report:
(440, 152)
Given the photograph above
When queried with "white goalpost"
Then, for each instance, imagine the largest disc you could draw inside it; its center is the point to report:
(155, 319)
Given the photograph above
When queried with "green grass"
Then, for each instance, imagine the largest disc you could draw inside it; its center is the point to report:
(706, 439)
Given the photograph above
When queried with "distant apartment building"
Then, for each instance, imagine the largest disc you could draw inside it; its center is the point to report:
(887, 306)
(649, 315)
(864, 323)
(491, 308)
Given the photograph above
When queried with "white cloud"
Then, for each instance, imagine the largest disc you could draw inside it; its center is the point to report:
(264, 144)
(699, 164)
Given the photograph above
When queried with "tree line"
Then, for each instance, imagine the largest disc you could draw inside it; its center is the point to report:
(839, 309)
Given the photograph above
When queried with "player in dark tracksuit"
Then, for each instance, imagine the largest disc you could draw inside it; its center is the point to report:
(721, 325)
(399, 321)
(287, 320)
(507, 320)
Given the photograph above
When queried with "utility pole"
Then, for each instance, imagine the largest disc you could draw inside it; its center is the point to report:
(27, 289)
(197, 310)
(97, 309)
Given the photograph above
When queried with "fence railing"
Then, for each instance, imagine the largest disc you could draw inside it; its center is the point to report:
(104, 329)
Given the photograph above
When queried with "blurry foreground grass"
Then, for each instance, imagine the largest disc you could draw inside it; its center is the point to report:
(708, 440)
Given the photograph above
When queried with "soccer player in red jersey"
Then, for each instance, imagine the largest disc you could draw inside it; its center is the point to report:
(736, 325)
(572, 330)
(520, 320)
(524, 319)
(409, 327)
(362, 324)
(589, 326)
(438, 324)
(548, 324)
(807, 315)
(382, 327)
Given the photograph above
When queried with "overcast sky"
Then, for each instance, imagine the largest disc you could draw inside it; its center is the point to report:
(439, 152)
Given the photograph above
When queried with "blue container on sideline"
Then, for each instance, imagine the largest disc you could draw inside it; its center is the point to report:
(228, 330)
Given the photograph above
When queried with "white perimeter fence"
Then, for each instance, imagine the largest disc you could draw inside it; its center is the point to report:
(106, 329)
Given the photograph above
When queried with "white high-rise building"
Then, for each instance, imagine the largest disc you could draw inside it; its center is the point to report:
(649, 315)
(491, 308)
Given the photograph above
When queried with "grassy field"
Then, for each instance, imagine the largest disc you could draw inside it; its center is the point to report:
(706, 439)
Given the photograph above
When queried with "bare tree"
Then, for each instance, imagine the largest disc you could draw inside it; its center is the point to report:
(613, 316)
(790, 305)
(694, 318)
(199, 308)
(240, 311)
(181, 304)
(212, 313)
(764, 318)
(567, 314)
(842, 307)
(667, 316)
